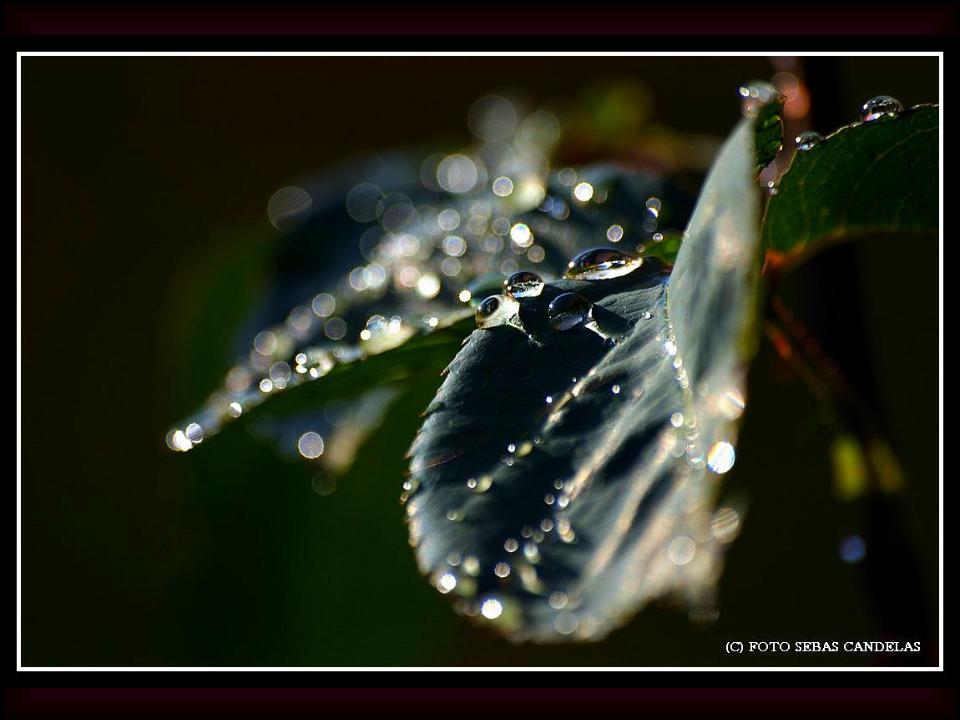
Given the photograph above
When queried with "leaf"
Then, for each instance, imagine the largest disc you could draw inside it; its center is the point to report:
(769, 133)
(347, 372)
(866, 179)
(559, 227)
(562, 479)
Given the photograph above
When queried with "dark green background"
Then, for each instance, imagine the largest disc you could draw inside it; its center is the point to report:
(144, 187)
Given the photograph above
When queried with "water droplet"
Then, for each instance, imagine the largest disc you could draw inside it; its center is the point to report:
(177, 440)
(521, 235)
(523, 284)
(807, 140)
(428, 286)
(194, 433)
(681, 550)
(583, 191)
(615, 233)
(310, 445)
(446, 583)
(568, 310)
(755, 95)
(511, 545)
(721, 457)
(457, 173)
(501, 570)
(880, 106)
(558, 600)
(491, 608)
(601, 264)
(725, 524)
(502, 186)
(487, 311)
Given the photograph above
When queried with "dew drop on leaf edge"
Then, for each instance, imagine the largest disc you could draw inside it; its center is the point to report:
(880, 106)
(807, 140)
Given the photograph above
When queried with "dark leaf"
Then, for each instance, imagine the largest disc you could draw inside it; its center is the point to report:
(564, 478)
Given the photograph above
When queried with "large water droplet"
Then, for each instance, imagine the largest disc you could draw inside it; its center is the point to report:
(498, 310)
(523, 284)
(880, 106)
(806, 140)
(601, 264)
(487, 310)
(754, 95)
(568, 310)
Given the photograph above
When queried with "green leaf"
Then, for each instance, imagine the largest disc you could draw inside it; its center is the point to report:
(872, 178)
(769, 131)
(563, 479)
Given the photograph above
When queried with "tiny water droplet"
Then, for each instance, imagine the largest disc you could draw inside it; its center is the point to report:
(568, 310)
(446, 583)
(194, 433)
(720, 457)
(310, 445)
(491, 609)
(523, 284)
(880, 106)
(601, 264)
(806, 140)
(583, 191)
(754, 95)
(498, 310)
